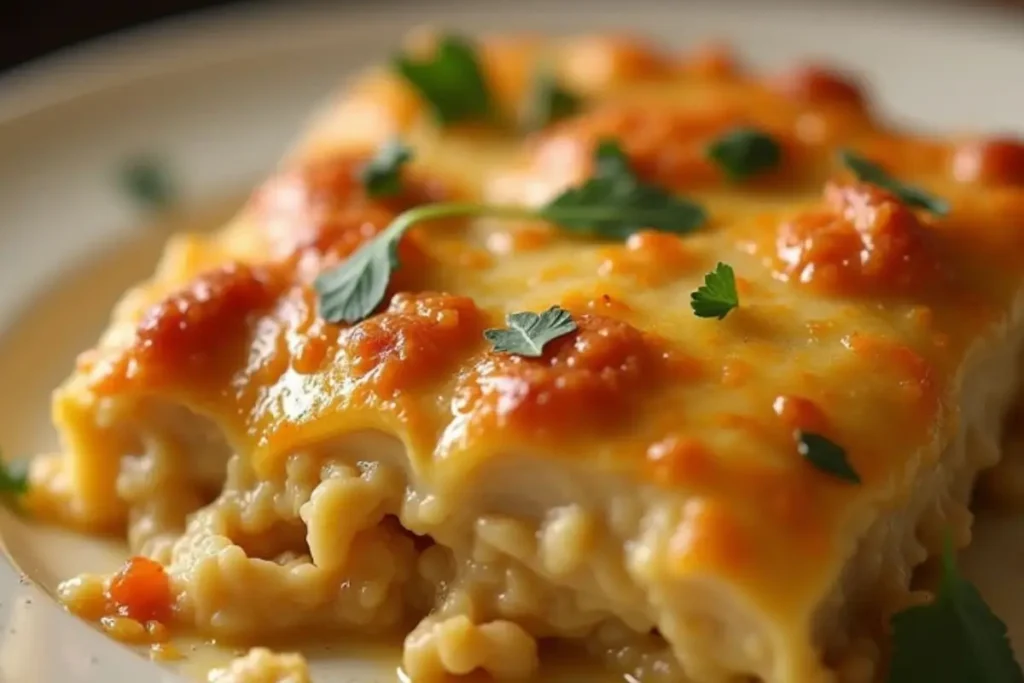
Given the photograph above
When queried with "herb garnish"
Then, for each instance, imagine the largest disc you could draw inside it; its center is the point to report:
(527, 332)
(744, 152)
(612, 204)
(954, 639)
(870, 172)
(717, 296)
(827, 456)
(147, 180)
(382, 175)
(450, 81)
(13, 478)
(548, 101)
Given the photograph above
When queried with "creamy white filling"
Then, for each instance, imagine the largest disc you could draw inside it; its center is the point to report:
(557, 549)
(901, 534)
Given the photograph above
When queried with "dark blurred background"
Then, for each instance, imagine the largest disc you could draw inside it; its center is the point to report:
(32, 28)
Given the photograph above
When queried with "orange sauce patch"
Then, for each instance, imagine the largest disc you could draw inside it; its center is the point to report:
(592, 378)
(141, 590)
(191, 332)
(799, 413)
(818, 84)
(665, 145)
(321, 208)
(711, 61)
(990, 162)
(710, 535)
(678, 460)
(420, 336)
(864, 240)
(593, 63)
(915, 374)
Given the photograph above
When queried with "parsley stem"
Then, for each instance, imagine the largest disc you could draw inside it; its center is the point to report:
(613, 204)
(554, 214)
(431, 212)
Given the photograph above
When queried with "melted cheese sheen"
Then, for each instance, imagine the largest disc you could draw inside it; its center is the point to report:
(645, 465)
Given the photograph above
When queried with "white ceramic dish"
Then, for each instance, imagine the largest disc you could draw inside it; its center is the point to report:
(220, 96)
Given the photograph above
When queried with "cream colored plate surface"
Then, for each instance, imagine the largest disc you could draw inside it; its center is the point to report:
(221, 95)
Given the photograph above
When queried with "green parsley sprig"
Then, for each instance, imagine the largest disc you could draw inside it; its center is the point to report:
(527, 333)
(13, 478)
(450, 81)
(147, 180)
(826, 455)
(718, 295)
(954, 639)
(870, 172)
(745, 152)
(548, 101)
(612, 204)
(381, 176)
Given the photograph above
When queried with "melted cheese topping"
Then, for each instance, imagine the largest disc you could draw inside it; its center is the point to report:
(857, 313)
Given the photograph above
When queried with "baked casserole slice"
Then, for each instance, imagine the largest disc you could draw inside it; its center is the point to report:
(773, 345)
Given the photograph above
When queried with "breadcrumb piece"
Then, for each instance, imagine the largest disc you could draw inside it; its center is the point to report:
(261, 665)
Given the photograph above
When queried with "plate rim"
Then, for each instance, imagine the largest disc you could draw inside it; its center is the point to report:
(68, 72)
(167, 47)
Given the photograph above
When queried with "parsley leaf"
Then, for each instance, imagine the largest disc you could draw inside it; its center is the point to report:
(13, 478)
(450, 81)
(351, 291)
(717, 296)
(612, 204)
(870, 172)
(745, 152)
(827, 456)
(148, 181)
(548, 101)
(382, 175)
(954, 639)
(527, 333)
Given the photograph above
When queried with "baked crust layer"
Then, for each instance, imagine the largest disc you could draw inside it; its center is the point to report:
(658, 444)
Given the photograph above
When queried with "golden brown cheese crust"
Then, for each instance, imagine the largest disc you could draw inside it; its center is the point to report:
(857, 312)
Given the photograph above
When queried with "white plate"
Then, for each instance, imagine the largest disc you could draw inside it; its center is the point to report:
(220, 95)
